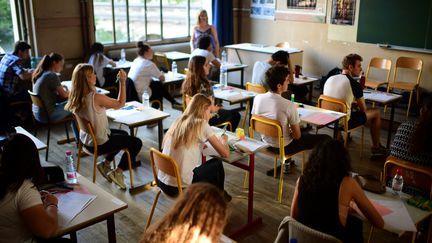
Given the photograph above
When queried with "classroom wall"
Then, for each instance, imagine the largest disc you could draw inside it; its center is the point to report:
(320, 53)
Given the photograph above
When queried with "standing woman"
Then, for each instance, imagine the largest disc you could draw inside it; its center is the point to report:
(202, 28)
(142, 72)
(197, 82)
(87, 104)
(99, 61)
(25, 212)
(184, 142)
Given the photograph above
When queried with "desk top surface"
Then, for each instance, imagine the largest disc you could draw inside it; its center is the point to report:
(262, 48)
(177, 56)
(133, 113)
(304, 80)
(68, 84)
(380, 97)
(103, 206)
(39, 144)
(119, 64)
(232, 94)
(318, 116)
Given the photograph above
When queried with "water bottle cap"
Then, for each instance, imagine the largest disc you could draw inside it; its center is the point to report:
(68, 152)
(398, 171)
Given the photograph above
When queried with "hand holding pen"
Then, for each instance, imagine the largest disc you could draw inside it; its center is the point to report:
(121, 76)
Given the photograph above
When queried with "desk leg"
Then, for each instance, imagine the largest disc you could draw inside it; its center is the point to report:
(131, 131)
(390, 127)
(238, 55)
(111, 229)
(336, 129)
(310, 93)
(160, 134)
(242, 78)
(73, 237)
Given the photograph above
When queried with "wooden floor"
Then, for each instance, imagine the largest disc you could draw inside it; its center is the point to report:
(130, 222)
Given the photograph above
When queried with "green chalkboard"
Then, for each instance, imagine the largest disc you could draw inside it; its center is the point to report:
(396, 22)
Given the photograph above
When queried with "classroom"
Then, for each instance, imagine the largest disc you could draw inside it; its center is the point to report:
(216, 121)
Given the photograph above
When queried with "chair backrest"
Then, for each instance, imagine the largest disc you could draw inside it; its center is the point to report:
(161, 60)
(37, 101)
(303, 233)
(257, 88)
(379, 63)
(86, 126)
(283, 44)
(409, 63)
(330, 103)
(267, 127)
(166, 164)
(414, 175)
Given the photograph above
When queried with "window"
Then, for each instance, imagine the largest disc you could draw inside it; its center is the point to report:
(145, 20)
(8, 26)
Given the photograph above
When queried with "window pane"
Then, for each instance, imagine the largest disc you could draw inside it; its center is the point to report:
(6, 27)
(136, 20)
(175, 18)
(153, 20)
(103, 21)
(120, 21)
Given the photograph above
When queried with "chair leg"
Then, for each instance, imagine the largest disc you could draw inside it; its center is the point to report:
(130, 168)
(409, 102)
(67, 132)
(79, 156)
(361, 145)
(153, 209)
(94, 166)
(246, 114)
(48, 142)
(281, 182)
(370, 234)
(303, 162)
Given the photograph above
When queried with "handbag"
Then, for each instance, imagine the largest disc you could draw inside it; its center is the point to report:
(370, 183)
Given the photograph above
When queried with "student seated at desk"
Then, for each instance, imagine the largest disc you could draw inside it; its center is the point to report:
(204, 50)
(203, 28)
(184, 142)
(99, 61)
(24, 212)
(87, 104)
(197, 82)
(199, 215)
(142, 72)
(344, 86)
(326, 194)
(272, 105)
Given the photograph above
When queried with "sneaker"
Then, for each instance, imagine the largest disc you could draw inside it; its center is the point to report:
(227, 196)
(380, 151)
(117, 178)
(104, 170)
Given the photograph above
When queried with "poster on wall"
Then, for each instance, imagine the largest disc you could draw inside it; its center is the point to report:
(263, 9)
(343, 12)
(301, 10)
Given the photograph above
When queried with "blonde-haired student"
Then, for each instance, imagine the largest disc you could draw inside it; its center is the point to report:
(87, 104)
(184, 142)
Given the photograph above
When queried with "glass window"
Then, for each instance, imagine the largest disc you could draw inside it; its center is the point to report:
(154, 20)
(7, 30)
(103, 21)
(175, 18)
(137, 21)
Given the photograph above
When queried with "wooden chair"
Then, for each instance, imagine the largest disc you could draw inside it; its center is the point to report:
(330, 103)
(283, 44)
(86, 126)
(168, 165)
(415, 64)
(378, 63)
(37, 101)
(257, 88)
(273, 128)
(161, 60)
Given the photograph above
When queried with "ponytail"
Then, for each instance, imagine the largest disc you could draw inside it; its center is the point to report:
(45, 64)
(142, 48)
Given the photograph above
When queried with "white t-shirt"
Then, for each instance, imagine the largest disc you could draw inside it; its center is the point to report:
(99, 66)
(141, 72)
(343, 87)
(203, 53)
(187, 158)
(274, 106)
(258, 73)
(12, 228)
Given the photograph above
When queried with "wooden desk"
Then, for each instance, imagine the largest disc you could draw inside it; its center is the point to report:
(177, 56)
(39, 144)
(235, 160)
(233, 67)
(126, 65)
(68, 84)
(303, 80)
(320, 117)
(102, 208)
(384, 99)
(134, 115)
(233, 95)
(171, 79)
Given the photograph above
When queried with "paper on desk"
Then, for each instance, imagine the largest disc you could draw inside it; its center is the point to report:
(229, 95)
(378, 96)
(318, 118)
(115, 114)
(304, 112)
(247, 145)
(398, 219)
(133, 118)
(70, 205)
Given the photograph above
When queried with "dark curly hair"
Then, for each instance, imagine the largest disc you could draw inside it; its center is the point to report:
(276, 75)
(329, 162)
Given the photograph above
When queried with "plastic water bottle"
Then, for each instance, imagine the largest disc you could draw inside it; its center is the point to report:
(71, 176)
(292, 97)
(146, 99)
(174, 68)
(122, 55)
(397, 182)
(363, 80)
(224, 58)
(223, 78)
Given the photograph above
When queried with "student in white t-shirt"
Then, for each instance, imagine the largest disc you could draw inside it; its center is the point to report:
(184, 142)
(272, 105)
(343, 86)
(204, 50)
(24, 212)
(99, 61)
(142, 72)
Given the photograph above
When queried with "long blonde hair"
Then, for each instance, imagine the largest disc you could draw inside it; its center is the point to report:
(199, 215)
(80, 88)
(185, 130)
(198, 16)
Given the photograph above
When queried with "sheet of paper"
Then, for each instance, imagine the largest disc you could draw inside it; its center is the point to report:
(398, 219)
(304, 112)
(247, 145)
(378, 96)
(71, 204)
(229, 95)
(319, 118)
(115, 114)
(133, 118)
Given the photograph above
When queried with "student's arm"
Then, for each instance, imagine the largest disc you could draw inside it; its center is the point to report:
(216, 40)
(112, 63)
(294, 203)
(216, 63)
(295, 131)
(25, 75)
(364, 204)
(62, 93)
(220, 145)
(42, 219)
(107, 102)
(162, 78)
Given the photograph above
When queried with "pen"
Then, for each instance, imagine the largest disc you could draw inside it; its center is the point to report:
(224, 131)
